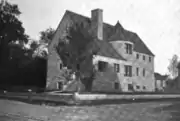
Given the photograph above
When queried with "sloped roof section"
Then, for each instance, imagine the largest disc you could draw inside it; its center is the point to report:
(118, 33)
(111, 33)
(107, 50)
(140, 46)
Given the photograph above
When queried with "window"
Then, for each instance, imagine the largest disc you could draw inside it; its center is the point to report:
(128, 70)
(149, 59)
(116, 85)
(130, 87)
(102, 66)
(144, 72)
(144, 58)
(137, 71)
(144, 87)
(128, 48)
(137, 56)
(60, 65)
(137, 87)
(60, 85)
(78, 66)
(116, 67)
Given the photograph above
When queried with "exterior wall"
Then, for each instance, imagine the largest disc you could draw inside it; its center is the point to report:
(105, 80)
(148, 81)
(53, 59)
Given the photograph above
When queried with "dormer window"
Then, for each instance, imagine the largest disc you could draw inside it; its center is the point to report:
(137, 56)
(128, 48)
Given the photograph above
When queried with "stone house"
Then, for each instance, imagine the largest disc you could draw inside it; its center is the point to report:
(121, 49)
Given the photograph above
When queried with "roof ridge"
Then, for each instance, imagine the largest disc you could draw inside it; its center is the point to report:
(87, 17)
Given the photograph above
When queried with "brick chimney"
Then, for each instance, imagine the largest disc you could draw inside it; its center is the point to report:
(97, 23)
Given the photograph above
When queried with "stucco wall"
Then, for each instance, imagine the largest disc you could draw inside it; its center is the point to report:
(105, 80)
(148, 81)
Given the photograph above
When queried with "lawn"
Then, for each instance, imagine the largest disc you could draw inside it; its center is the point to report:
(151, 111)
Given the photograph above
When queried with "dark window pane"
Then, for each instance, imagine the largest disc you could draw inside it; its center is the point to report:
(60, 66)
(144, 87)
(144, 57)
(116, 85)
(116, 67)
(137, 87)
(60, 85)
(130, 87)
(130, 49)
(128, 70)
(149, 59)
(102, 65)
(137, 71)
(137, 56)
(144, 72)
(78, 66)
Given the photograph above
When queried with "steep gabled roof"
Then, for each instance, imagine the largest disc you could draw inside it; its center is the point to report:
(111, 33)
(118, 33)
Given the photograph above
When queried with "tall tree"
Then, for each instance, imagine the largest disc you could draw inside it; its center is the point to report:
(47, 35)
(76, 51)
(11, 29)
(173, 70)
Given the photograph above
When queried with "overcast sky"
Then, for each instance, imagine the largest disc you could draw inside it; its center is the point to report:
(157, 22)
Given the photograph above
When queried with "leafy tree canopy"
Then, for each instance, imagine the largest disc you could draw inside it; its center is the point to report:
(11, 28)
(172, 68)
(76, 51)
(47, 35)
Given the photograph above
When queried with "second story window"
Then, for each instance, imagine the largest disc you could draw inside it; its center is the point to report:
(144, 57)
(102, 66)
(128, 70)
(116, 67)
(149, 59)
(128, 48)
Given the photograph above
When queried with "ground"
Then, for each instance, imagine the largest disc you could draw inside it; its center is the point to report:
(151, 111)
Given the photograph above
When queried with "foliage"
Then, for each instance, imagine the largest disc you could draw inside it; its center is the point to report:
(11, 29)
(173, 70)
(34, 45)
(76, 51)
(47, 35)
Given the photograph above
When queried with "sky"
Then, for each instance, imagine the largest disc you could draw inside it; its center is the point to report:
(157, 22)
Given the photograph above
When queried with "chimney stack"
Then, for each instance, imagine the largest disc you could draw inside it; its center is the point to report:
(97, 23)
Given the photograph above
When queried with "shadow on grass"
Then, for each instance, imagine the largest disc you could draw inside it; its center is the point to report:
(71, 102)
(173, 110)
(36, 102)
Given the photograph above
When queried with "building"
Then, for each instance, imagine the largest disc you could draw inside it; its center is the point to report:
(121, 49)
(160, 81)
